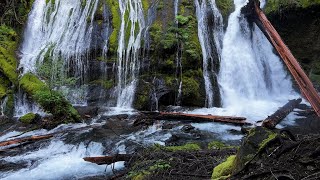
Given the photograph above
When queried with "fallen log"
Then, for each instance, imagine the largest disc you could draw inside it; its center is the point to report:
(253, 11)
(271, 121)
(41, 137)
(195, 118)
(109, 159)
(24, 140)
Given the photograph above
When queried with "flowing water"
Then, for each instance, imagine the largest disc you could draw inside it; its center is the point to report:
(252, 79)
(57, 42)
(129, 50)
(202, 11)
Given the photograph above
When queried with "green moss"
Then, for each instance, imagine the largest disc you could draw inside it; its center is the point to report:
(271, 137)
(116, 23)
(3, 91)
(51, 101)
(141, 174)
(27, 118)
(224, 170)
(8, 45)
(276, 5)
(186, 147)
(106, 84)
(225, 7)
(217, 145)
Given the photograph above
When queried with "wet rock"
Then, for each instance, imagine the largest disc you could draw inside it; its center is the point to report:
(9, 166)
(187, 128)
(87, 111)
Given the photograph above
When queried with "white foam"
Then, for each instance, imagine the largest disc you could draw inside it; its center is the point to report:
(59, 161)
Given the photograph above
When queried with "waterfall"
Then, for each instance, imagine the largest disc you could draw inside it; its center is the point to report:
(206, 45)
(250, 71)
(57, 40)
(178, 56)
(132, 25)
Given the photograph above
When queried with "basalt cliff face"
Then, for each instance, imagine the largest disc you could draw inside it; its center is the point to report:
(143, 54)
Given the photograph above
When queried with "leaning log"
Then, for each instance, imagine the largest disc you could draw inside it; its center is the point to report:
(280, 114)
(109, 159)
(195, 118)
(253, 11)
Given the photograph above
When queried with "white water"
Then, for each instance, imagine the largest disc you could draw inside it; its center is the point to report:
(204, 38)
(128, 50)
(59, 161)
(61, 31)
(252, 78)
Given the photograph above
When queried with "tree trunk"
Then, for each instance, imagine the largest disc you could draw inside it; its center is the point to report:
(252, 10)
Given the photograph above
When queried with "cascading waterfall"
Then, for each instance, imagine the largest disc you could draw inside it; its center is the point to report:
(206, 46)
(131, 30)
(250, 71)
(58, 35)
(3, 103)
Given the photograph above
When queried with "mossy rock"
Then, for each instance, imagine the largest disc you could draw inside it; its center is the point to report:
(29, 118)
(224, 170)
(51, 101)
(255, 142)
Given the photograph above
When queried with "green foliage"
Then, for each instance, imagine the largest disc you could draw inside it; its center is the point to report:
(51, 101)
(27, 118)
(224, 170)
(190, 87)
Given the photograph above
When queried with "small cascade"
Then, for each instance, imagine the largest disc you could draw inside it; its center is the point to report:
(128, 64)
(210, 40)
(57, 42)
(23, 105)
(178, 57)
(3, 104)
(250, 71)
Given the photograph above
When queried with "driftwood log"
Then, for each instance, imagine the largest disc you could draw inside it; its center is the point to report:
(271, 121)
(195, 118)
(253, 12)
(31, 139)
